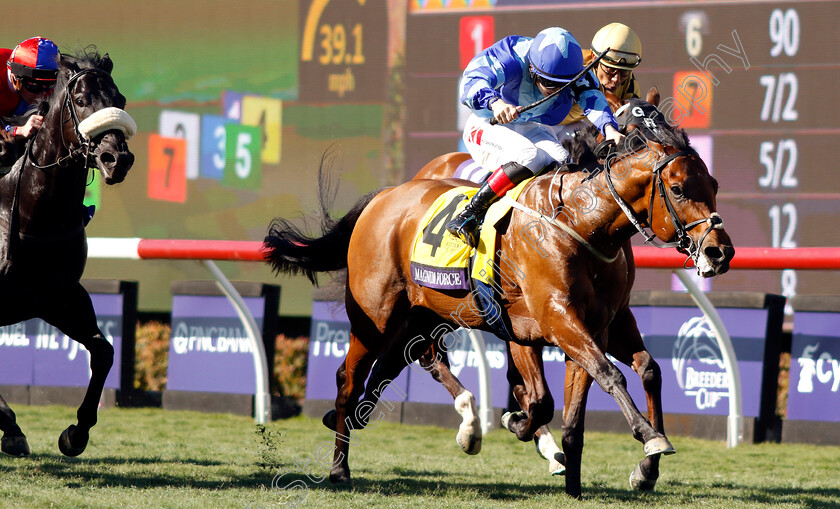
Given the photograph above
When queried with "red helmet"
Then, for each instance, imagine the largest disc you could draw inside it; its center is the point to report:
(36, 59)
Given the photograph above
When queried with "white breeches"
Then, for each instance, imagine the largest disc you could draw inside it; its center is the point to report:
(530, 144)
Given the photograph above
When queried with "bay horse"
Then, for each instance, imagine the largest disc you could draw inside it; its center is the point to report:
(526, 393)
(576, 298)
(43, 246)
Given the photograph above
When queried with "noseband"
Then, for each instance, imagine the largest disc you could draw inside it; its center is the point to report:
(684, 241)
(85, 145)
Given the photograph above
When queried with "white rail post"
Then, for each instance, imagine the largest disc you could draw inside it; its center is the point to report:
(734, 427)
(262, 398)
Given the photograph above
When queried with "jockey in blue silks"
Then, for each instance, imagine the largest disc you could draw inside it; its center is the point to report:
(512, 73)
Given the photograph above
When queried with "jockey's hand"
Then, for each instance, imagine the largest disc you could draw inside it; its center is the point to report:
(612, 134)
(503, 111)
(33, 123)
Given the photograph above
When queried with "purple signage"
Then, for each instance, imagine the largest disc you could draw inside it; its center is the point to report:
(36, 353)
(328, 341)
(209, 350)
(463, 362)
(814, 386)
(694, 380)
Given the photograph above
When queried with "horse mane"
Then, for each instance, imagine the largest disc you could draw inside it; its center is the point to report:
(582, 147)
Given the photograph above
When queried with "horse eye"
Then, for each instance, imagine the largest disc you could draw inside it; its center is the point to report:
(79, 102)
(676, 191)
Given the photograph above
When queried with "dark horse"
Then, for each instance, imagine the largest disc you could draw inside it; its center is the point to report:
(567, 284)
(43, 247)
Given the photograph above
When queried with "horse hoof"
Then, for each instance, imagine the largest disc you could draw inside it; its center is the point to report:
(658, 445)
(507, 417)
(15, 446)
(470, 443)
(65, 441)
(329, 420)
(340, 476)
(555, 464)
(639, 482)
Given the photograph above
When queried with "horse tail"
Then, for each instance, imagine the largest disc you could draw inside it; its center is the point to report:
(288, 250)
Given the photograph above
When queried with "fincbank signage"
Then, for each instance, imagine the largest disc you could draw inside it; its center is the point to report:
(329, 340)
(209, 350)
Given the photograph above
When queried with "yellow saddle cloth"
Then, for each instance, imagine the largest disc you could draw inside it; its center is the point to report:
(439, 259)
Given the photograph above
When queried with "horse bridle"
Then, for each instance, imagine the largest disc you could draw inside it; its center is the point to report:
(85, 145)
(684, 241)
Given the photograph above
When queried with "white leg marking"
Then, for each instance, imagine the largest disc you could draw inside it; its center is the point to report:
(469, 433)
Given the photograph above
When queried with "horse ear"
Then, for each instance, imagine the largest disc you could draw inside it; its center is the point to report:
(653, 96)
(69, 63)
(106, 64)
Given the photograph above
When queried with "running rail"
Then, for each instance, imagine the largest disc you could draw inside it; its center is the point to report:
(754, 258)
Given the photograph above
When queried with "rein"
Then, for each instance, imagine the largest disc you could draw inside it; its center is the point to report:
(85, 144)
(560, 226)
(684, 241)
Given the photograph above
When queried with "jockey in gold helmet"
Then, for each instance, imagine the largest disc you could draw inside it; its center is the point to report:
(615, 70)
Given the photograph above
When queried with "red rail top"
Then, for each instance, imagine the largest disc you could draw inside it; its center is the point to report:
(805, 258)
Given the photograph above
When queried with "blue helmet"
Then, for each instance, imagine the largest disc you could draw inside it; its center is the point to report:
(556, 55)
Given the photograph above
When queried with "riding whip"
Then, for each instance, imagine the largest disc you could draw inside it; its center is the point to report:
(585, 70)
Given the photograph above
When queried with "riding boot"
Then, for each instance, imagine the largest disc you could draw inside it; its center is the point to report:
(465, 225)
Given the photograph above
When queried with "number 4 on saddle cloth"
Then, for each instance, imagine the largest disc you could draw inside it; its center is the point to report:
(441, 261)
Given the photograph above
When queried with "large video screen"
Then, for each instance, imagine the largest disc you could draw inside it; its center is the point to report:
(746, 80)
(235, 102)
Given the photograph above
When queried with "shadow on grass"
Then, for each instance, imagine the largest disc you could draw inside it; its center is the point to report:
(433, 483)
(105, 471)
(404, 482)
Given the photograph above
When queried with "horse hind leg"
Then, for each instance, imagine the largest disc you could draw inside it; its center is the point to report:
(357, 366)
(436, 362)
(14, 441)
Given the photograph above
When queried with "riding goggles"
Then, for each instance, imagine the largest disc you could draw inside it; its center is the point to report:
(621, 59)
(37, 87)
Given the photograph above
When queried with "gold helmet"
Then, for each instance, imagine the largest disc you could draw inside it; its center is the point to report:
(625, 46)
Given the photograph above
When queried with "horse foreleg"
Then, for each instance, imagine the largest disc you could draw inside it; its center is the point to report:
(436, 362)
(72, 312)
(576, 391)
(630, 349)
(589, 356)
(543, 439)
(74, 439)
(530, 391)
(13, 441)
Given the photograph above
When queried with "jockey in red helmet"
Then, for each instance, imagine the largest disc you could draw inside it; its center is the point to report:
(31, 73)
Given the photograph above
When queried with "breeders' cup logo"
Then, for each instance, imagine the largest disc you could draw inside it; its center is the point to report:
(824, 368)
(698, 364)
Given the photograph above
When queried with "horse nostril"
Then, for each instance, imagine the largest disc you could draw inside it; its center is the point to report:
(713, 253)
(107, 159)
